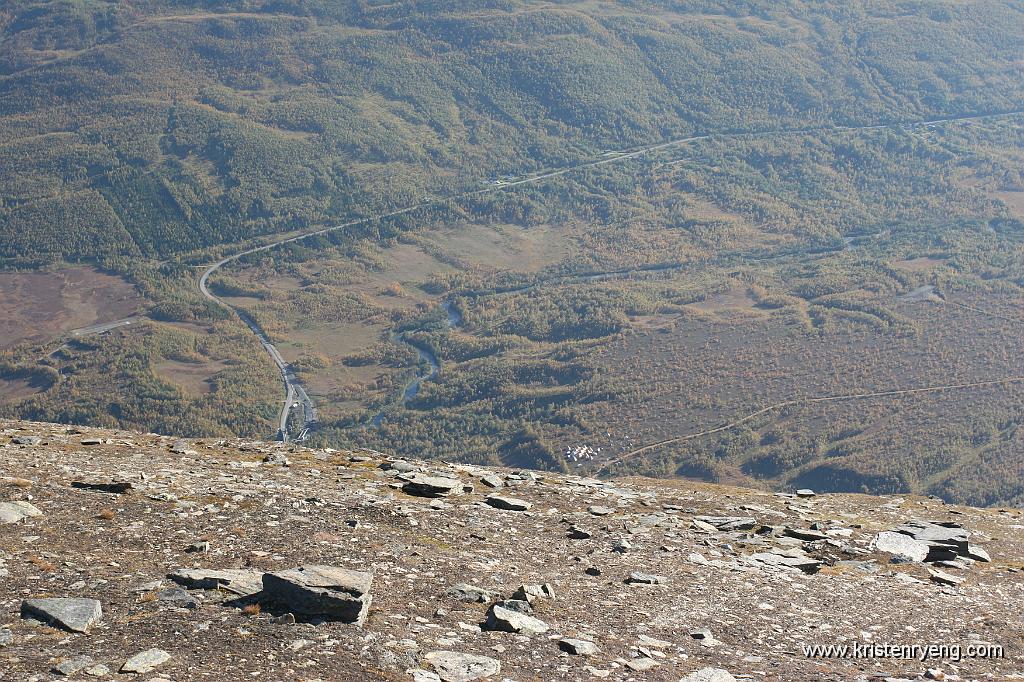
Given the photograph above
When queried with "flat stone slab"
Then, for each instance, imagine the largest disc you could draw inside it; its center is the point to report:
(507, 503)
(243, 582)
(727, 523)
(145, 661)
(638, 578)
(900, 544)
(945, 539)
(70, 666)
(471, 593)
(577, 647)
(12, 512)
(74, 614)
(785, 560)
(709, 675)
(422, 485)
(452, 666)
(335, 593)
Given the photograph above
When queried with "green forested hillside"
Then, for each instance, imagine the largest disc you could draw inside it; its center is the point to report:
(156, 127)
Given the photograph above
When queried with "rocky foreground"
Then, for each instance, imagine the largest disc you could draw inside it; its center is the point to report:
(131, 556)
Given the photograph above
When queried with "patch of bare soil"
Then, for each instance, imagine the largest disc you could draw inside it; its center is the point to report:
(922, 264)
(39, 306)
(193, 377)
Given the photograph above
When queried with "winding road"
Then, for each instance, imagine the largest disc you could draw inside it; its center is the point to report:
(295, 393)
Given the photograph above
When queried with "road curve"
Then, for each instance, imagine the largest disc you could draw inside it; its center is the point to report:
(294, 388)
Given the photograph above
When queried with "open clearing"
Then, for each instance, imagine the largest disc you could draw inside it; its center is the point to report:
(15, 389)
(38, 306)
(193, 377)
(734, 300)
(922, 264)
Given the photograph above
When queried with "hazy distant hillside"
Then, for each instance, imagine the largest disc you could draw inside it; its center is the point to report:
(150, 128)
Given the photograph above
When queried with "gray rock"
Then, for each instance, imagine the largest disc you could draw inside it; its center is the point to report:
(977, 553)
(72, 665)
(92, 441)
(638, 578)
(329, 591)
(900, 544)
(243, 582)
(642, 664)
(507, 620)
(452, 666)
(6, 637)
(26, 440)
(597, 510)
(507, 503)
(805, 492)
(492, 481)
(578, 647)
(98, 670)
(422, 485)
(77, 615)
(177, 597)
(943, 578)
(145, 661)
(116, 487)
(703, 635)
(728, 523)
(276, 458)
(471, 593)
(402, 467)
(517, 605)
(577, 533)
(787, 559)
(12, 512)
(531, 593)
(946, 540)
(805, 534)
(709, 675)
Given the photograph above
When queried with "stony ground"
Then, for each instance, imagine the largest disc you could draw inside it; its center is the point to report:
(640, 583)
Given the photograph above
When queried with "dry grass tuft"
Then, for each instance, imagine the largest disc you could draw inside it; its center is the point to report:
(43, 564)
(251, 609)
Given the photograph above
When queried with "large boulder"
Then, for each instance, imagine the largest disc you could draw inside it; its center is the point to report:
(74, 614)
(946, 540)
(329, 591)
(900, 544)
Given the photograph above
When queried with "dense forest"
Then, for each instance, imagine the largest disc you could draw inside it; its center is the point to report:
(154, 128)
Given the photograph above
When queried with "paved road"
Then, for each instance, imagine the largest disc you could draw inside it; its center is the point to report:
(293, 388)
